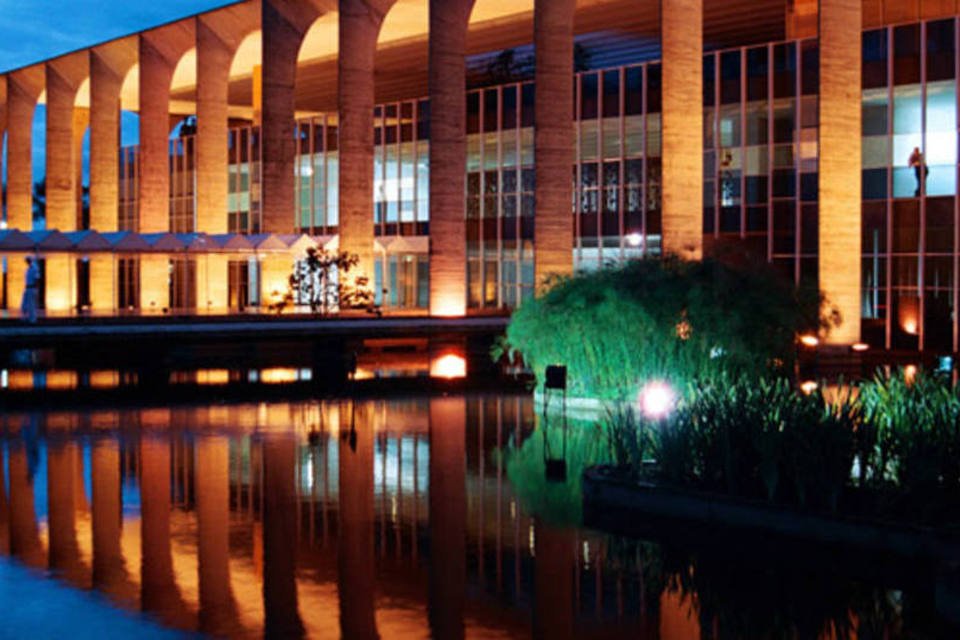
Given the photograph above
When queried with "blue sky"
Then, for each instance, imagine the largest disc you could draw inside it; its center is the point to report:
(34, 30)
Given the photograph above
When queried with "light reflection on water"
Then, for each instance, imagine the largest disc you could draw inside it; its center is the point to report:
(403, 518)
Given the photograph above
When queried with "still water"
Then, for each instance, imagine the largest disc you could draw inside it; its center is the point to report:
(403, 518)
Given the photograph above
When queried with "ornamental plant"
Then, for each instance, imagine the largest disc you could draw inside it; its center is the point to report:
(682, 322)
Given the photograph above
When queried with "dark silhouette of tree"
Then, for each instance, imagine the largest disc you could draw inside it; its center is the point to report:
(506, 67)
(40, 200)
(581, 58)
(320, 281)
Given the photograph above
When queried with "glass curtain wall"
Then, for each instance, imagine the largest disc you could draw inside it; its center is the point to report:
(909, 186)
(183, 184)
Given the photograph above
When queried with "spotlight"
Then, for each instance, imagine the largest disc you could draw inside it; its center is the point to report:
(656, 400)
(634, 239)
(808, 387)
(809, 340)
(860, 347)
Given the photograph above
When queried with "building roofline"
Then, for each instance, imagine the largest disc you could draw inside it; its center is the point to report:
(225, 5)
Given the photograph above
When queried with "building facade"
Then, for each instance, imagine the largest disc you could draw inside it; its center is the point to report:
(467, 150)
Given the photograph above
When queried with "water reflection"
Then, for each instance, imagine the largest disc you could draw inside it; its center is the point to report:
(400, 518)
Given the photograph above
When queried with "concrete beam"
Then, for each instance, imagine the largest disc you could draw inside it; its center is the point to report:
(840, 163)
(448, 152)
(681, 28)
(554, 148)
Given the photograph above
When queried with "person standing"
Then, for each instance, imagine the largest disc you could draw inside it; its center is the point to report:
(920, 170)
(31, 291)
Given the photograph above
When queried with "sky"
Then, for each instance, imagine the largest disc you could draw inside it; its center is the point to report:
(34, 30)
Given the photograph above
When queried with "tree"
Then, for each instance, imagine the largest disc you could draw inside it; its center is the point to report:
(320, 281)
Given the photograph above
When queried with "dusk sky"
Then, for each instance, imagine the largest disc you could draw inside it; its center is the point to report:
(33, 30)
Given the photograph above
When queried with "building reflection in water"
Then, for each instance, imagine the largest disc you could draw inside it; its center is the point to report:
(372, 518)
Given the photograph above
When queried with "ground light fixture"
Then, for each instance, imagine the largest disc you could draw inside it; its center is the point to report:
(656, 399)
(809, 340)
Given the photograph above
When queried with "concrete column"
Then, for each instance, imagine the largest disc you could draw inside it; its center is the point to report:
(153, 195)
(678, 616)
(154, 283)
(103, 297)
(360, 23)
(64, 557)
(356, 564)
(217, 614)
(63, 78)
(60, 287)
(840, 163)
(213, 70)
(553, 138)
(159, 592)
(23, 89)
(24, 536)
(16, 270)
(280, 538)
(108, 67)
(448, 156)
(284, 25)
(681, 28)
(212, 276)
(448, 516)
(553, 582)
(81, 122)
(108, 566)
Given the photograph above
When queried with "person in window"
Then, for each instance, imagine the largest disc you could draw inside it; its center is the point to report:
(920, 170)
(31, 289)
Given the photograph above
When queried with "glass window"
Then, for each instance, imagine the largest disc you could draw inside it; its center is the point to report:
(940, 143)
(906, 54)
(940, 50)
(730, 77)
(757, 73)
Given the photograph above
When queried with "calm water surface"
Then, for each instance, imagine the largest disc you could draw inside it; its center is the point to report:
(399, 518)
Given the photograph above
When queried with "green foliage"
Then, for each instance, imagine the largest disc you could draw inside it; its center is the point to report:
(894, 438)
(662, 318)
(910, 437)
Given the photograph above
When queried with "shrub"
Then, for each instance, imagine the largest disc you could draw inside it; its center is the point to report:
(662, 318)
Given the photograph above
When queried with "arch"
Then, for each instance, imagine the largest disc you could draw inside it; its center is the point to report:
(23, 93)
(64, 125)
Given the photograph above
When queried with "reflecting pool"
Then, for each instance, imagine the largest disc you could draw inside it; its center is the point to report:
(398, 518)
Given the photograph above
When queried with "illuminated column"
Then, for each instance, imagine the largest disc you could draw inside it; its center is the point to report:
(64, 554)
(840, 163)
(678, 617)
(448, 516)
(154, 283)
(59, 283)
(553, 138)
(284, 24)
(280, 539)
(553, 582)
(16, 270)
(213, 515)
(212, 274)
(103, 298)
(160, 50)
(275, 273)
(159, 591)
(360, 22)
(109, 65)
(81, 121)
(681, 27)
(63, 78)
(448, 156)
(356, 564)
(23, 89)
(24, 536)
(108, 567)
(213, 74)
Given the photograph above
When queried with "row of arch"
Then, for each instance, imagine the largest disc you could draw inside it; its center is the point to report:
(149, 72)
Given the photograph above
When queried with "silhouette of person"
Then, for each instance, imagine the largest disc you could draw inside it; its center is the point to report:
(920, 170)
(31, 291)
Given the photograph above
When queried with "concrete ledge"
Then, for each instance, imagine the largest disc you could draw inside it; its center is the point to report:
(613, 502)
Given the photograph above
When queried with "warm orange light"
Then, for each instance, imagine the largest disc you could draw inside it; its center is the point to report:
(279, 375)
(908, 315)
(809, 340)
(213, 377)
(910, 373)
(808, 387)
(449, 366)
(860, 346)
(448, 306)
(104, 379)
(684, 330)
